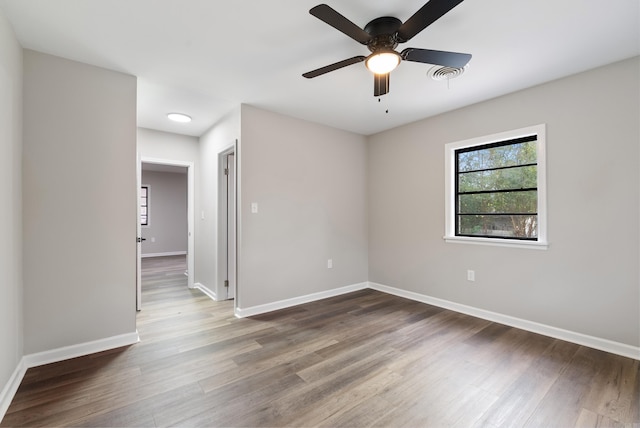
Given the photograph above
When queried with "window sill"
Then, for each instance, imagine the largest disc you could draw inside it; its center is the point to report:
(532, 245)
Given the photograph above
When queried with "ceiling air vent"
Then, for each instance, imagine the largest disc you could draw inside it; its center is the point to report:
(445, 73)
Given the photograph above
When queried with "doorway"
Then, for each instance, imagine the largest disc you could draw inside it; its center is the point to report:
(167, 166)
(227, 225)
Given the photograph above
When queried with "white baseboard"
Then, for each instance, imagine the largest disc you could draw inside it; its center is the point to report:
(282, 304)
(171, 253)
(206, 291)
(79, 350)
(9, 390)
(59, 354)
(546, 330)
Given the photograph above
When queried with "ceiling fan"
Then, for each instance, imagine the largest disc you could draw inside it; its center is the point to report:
(382, 36)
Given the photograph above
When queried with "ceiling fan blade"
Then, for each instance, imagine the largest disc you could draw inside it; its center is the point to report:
(340, 23)
(332, 67)
(428, 56)
(380, 84)
(427, 15)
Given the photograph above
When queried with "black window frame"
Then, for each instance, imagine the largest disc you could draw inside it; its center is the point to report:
(457, 215)
(146, 205)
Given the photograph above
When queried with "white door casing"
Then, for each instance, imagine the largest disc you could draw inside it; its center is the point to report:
(231, 225)
(138, 238)
(227, 232)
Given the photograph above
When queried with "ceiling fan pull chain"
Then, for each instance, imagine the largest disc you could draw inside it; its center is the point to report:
(386, 110)
(387, 101)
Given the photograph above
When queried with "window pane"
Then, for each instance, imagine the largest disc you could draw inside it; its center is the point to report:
(143, 202)
(143, 220)
(143, 211)
(495, 203)
(501, 179)
(504, 226)
(143, 192)
(497, 157)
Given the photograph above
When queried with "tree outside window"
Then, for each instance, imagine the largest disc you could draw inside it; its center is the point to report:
(496, 190)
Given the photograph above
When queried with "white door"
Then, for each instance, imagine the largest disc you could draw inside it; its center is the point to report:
(231, 226)
(138, 243)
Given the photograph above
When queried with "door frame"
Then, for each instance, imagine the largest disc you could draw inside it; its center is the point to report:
(190, 220)
(223, 243)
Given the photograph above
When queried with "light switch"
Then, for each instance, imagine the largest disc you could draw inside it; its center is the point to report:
(254, 207)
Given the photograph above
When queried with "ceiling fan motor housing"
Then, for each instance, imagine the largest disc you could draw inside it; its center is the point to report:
(384, 33)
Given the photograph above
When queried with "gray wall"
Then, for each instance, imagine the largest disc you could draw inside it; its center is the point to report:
(79, 191)
(11, 338)
(588, 279)
(167, 146)
(167, 229)
(310, 183)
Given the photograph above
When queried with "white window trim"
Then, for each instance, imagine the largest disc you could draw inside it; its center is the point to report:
(449, 155)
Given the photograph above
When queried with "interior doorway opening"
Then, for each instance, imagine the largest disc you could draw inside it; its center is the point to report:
(227, 225)
(163, 165)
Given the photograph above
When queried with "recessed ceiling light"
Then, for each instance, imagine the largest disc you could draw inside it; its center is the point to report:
(179, 117)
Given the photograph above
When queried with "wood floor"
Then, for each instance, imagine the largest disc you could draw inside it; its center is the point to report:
(362, 359)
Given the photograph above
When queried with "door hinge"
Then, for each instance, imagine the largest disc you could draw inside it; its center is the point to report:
(226, 171)
(226, 282)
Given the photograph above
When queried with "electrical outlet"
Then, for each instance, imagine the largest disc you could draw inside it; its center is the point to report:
(330, 264)
(153, 239)
(254, 208)
(471, 275)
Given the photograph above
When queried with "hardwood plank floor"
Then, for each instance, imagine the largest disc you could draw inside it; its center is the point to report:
(361, 359)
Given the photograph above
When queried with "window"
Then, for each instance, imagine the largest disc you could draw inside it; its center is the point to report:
(496, 189)
(144, 205)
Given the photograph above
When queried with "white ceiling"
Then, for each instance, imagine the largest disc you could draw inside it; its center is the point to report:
(205, 57)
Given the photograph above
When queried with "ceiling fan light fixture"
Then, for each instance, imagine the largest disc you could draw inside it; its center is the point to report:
(382, 62)
(179, 117)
